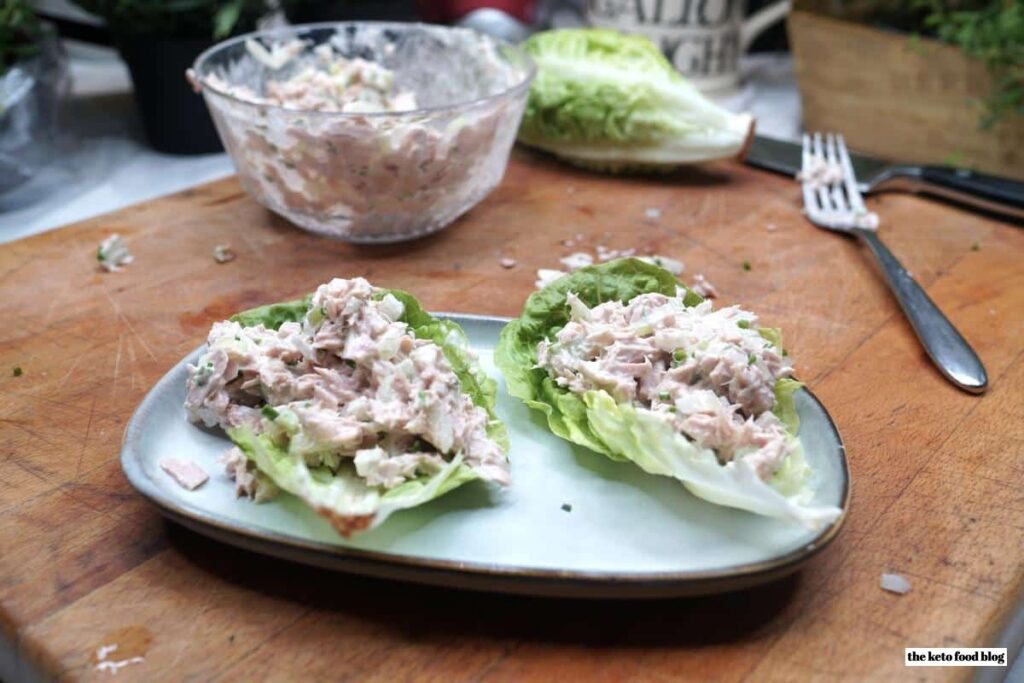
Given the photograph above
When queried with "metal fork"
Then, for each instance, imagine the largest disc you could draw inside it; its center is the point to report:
(839, 207)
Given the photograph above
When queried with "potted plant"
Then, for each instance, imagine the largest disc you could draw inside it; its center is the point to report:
(33, 77)
(159, 40)
(929, 81)
(311, 11)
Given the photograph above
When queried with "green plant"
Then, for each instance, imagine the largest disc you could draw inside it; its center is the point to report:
(991, 31)
(186, 18)
(20, 32)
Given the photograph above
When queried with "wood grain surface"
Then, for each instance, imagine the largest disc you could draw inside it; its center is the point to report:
(893, 98)
(937, 474)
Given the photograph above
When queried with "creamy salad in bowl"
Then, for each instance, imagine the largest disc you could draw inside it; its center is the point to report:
(366, 132)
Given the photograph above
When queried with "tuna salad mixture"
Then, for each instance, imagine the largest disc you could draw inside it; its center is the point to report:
(322, 155)
(332, 83)
(708, 372)
(349, 386)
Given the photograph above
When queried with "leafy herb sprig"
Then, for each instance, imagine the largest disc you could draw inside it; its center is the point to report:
(20, 32)
(991, 31)
(183, 18)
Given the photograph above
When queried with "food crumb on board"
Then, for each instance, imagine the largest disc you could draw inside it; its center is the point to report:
(507, 262)
(113, 665)
(187, 473)
(895, 583)
(577, 260)
(571, 189)
(581, 259)
(568, 242)
(222, 253)
(704, 288)
(17, 372)
(545, 276)
(771, 227)
(975, 246)
(670, 264)
(567, 507)
(746, 266)
(112, 254)
(606, 254)
(652, 214)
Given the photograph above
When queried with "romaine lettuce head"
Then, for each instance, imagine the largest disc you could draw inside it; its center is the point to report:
(626, 432)
(611, 101)
(342, 496)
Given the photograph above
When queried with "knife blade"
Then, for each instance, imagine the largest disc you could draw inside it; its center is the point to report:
(784, 157)
(989, 194)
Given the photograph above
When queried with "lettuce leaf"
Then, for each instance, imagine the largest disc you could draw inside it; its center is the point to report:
(657, 448)
(545, 313)
(611, 101)
(627, 433)
(343, 497)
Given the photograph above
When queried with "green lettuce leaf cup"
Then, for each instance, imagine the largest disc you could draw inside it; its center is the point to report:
(627, 432)
(342, 496)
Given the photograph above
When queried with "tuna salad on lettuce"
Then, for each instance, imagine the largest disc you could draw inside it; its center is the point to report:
(354, 400)
(622, 359)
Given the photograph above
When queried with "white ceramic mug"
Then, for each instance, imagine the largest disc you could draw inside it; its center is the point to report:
(702, 38)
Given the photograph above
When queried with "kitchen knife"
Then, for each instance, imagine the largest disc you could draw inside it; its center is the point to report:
(976, 190)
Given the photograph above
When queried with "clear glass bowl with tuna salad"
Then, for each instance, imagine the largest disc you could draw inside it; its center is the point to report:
(368, 132)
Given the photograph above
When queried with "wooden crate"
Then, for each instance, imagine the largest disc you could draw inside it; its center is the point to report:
(907, 100)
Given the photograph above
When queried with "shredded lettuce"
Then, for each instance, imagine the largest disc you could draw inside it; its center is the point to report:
(340, 494)
(612, 102)
(628, 433)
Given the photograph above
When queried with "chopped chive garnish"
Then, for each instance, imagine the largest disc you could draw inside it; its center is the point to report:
(17, 371)
(743, 324)
(751, 359)
(269, 412)
(664, 396)
(679, 355)
(746, 265)
(567, 507)
(975, 246)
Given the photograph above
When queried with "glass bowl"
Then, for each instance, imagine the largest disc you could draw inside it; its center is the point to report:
(382, 176)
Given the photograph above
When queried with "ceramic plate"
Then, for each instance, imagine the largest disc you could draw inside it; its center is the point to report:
(628, 533)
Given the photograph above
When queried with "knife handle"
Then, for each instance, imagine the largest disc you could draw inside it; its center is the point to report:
(991, 193)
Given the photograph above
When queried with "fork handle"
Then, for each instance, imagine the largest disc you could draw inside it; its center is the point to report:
(947, 348)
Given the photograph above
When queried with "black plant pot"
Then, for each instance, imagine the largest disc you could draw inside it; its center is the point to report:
(310, 11)
(174, 117)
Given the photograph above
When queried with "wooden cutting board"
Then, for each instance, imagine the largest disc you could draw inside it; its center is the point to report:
(937, 474)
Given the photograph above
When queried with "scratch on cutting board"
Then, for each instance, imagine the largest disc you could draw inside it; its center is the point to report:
(67, 375)
(124, 319)
(85, 440)
(117, 363)
(254, 248)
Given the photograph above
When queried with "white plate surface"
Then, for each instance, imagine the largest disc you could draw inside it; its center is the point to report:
(629, 534)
